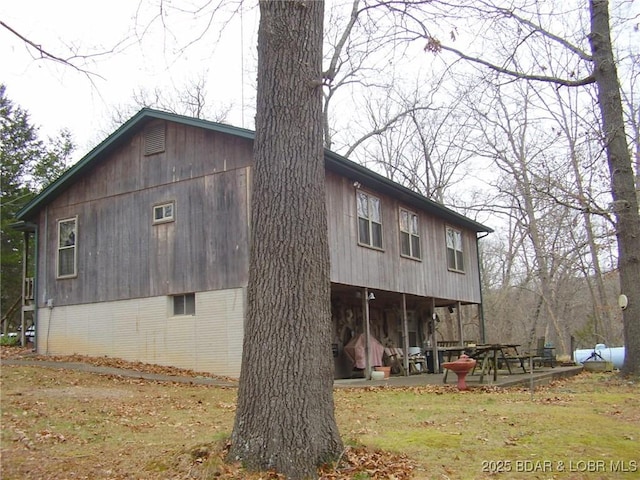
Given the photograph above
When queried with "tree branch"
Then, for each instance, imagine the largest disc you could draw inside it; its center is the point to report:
(435, 46)
(537, 28)
(44, 54)
(330, 73)
(383, 128)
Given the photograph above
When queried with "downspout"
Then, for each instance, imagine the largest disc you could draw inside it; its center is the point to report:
(483, 338)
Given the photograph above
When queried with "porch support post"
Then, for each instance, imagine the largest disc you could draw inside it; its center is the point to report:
(25, 261)
(459, 315)
(434, 338)
(367, 333)
(405, 335)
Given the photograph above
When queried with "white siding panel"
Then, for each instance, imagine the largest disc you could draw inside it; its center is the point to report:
(179, 341)
(151, 324)
(97, 337)
(235, 331)
(145, 330)
(118, 319)
(220, 348)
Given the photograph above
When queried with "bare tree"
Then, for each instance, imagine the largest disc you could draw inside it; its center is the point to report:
(191, 99)
(366, 55)
(518, 149)
(520, 60)
(355, 52)
(631, 99)
(419, 141)
(580, 189)
(625, 199)
(285, 416)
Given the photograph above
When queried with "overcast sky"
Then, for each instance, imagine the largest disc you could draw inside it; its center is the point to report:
(148, 55)
(58, 96)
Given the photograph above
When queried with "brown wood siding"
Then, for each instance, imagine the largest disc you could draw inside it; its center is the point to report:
(122, 254)
(190, 153)
(353, 264)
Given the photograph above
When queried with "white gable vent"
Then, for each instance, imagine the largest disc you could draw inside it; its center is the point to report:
(154, 139)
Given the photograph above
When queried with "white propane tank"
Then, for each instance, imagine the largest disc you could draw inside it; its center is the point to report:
(614, 355)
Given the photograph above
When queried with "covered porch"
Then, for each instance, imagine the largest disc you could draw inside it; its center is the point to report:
(369, 323)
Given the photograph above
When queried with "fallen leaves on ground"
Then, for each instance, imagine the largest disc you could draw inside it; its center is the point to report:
(199, 461)
(354, 462)
(376, 464)
(20, 353)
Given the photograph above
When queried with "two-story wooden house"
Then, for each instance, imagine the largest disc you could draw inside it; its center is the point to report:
(141, 250)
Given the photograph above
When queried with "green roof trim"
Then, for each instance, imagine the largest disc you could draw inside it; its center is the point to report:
(333, 161)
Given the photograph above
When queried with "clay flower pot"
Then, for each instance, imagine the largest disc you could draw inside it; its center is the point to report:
(386, 370)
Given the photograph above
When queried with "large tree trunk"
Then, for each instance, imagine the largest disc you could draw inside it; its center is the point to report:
(625, 200)
(285, 416)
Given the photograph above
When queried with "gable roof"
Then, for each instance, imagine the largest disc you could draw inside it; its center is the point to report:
(333, 162)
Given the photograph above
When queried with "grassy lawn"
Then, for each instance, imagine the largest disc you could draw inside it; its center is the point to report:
(74, 425)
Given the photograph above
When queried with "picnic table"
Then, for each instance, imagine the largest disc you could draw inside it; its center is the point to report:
(446, 353)
(488, 357)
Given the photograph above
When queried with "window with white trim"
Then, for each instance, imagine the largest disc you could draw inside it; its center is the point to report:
(455, 253)
(184, 304)
(369, 220)
(164, 212)
(409, 234)
(67, 254)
